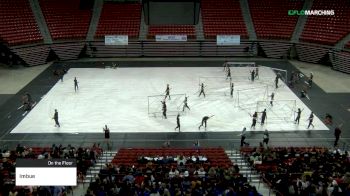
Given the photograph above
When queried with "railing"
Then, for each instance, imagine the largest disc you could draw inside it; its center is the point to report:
(308, 52)
(269, 185)
(156, 140)
(344, 146)
(102, 157)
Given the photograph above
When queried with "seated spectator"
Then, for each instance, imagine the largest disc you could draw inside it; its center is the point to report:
(346, 178)
(201, 173)
(328, 119)
(13, 192)
(30, 154)
(41, 156)
(181, 159)
(181, 167)
(19, 149)
(5, 154)
(173, 172)
(212, 172)
(129, 178)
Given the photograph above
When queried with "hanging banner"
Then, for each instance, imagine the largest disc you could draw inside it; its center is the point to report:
(171, 38)
(116, 40)
(228, 40)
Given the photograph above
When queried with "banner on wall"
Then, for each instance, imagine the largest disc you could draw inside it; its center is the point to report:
(171, 38)
(116, 40)
(228, 40)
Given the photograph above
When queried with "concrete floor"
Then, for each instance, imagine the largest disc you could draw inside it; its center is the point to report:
(327, 79)
(13, 80)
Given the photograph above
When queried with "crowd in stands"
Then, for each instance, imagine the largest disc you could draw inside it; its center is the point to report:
(188, 176)
(303, 171)
(85, 158)
(288, 170)
(170, 159)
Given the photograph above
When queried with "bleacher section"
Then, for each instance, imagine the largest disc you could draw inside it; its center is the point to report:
(311, 53)
(170, 171)
(18, 25)
(30, 54)
(275, 49)
(271, 20)
(68, 24)
(129, 157)
(65, 20)
(327, 29)
(301, 169)
(85, 158)
(188, 30)
(119, 19)
(340, 61)
(222, 17)
(156, 49)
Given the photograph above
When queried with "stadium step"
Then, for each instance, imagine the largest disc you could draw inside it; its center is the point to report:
(95, 171)
(244, 168)
(232, 152)
(89, 176)
(86, 181)
(235, 157)
(107, 156)
(104, 160)
(255, 180)
(252, 176)
(92, 173)
(109, 152)
(240, 164)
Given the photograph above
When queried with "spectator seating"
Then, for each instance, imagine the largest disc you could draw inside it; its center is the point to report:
(275, 49)
(18, 25)
(222, 17)
(307, 170)
(85, 157)
(129, 157)
(271, 20)
(65, 20)
(119, 19)
(340, 61)
(188, 30)
(327, 29)
(310, 52)
(169, 179)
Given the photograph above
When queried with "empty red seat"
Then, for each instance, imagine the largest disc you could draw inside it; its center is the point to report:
(327, 29)
(222, 17)
(216, 156)
(119, 19)
(271, 20)
(18, 25)
(65, 20)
